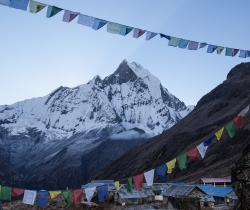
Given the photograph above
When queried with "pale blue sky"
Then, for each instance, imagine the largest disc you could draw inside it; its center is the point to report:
(39, 54)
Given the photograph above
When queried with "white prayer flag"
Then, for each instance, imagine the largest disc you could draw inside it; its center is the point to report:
(202, 149)
(244, 111)
(150, 35)
(85, 20)
(149, 176)
(90, 193)
(114, 28)
(29, 197)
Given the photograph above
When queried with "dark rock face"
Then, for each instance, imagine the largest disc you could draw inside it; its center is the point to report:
(241, 178)
(212, 112)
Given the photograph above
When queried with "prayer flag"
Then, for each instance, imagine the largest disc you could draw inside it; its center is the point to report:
(19, 4)
(90, 193)
(77, 194)
(68, 16)
(243, 54)
(193, 154)
(182, 161)
(149, 176)
(229, 52)
(238, 121)
(173, 41)
(171, 165)
(117, 185)
(85, 20)
(29, 197)
(52, 10)
(202, 45)
(208, 142)
(66, 194)
(102, 192)
(114, 28)
(235, 51)
(98, 23)
(17, 192)
(42, 198)
(244, 111)
(218, 134)
(150, 35)
(5, 2)
(125, 30)
(129, 184)
(36, 7)
(138, 180)
(220, 49)
(193, 45)
(211, 48)
(183, 43)
(230, 129)
(138, 32)
(161, 172)
(202, 149)
(165, 36)
(6, 193)
(53, 194)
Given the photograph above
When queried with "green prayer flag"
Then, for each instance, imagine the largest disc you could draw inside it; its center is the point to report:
(66, 194)
(6, 193)
(52, 10)
(182, 161)
(125, 30)
(230, 129)
(129, 184)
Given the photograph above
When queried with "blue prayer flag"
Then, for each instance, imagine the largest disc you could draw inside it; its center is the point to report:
(183, 43)
(211, 48)
(161, 172)
(102, 192)
(98, 23)
(165, 36)
(19, 4)
(208, 142)
(42, 198)
(229, 51)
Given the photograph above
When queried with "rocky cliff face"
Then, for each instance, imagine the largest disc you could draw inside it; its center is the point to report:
(213, 111)
(48, 139)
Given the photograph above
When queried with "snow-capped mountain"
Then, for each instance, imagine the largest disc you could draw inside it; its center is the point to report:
(130, 102)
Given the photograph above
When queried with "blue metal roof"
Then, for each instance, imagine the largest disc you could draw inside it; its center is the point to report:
(215, 191)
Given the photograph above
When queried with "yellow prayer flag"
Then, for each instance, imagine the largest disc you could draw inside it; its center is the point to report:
(117, 185)
(53, 194)
(171, 165)
(36, 7)
(218, 134)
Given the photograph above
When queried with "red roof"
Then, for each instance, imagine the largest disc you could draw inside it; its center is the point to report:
(214, 180)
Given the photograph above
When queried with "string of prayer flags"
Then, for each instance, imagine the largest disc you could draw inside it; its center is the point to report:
(138, 181)
(211, 48)
(182, 161)
(6, 193)
(149, 177)
(85, 20)
(202, 149)
(19, 4)
(219, 49)
(90, 193)
(161, 172)
(129, 184)
(125, 30)
(36, 7)
(114, 28)
(77, 195)
(98, 23)
(244, 111)
(165, 36)
(102, 192)
(66, 194)
(218, 134)
(68, 16)
(29, 197)
(208, 142)
(193, 45)
(52, 10)
(5, 2)
(17, 192)
(42, 198)
(138, 32)
(193, 154)
(171, 165)
(117, 185)
(203, 44)
(238, 121)
(183, 43)
(173, 41)
(230, 129)
(53, 194)
(150, 35)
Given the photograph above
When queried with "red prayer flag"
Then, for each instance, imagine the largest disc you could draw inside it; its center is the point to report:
(77, 194)
(193, 154)
(138, 180)
(238, 121)
(17, 192)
